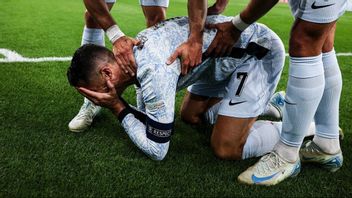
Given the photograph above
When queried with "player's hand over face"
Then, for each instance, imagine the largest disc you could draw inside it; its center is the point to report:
(190, 54)
(108, 99)
(226, 37)
(123, 52)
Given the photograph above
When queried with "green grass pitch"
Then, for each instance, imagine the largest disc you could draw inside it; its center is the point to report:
(40, 157)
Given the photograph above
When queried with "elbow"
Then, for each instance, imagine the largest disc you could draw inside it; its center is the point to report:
(159, 151)
(158, 157)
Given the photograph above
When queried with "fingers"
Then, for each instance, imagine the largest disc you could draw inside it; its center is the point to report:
(213, 45)
(124, 54)
(173, 57)
(136, 42)
(185, 66)
(89, 93)
(219, 50)
(132, 64)
(128, 63)
(119, 62)
(211, 26)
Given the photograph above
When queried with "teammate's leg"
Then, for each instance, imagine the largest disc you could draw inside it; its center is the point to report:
(305, 85)
(92, 34)
(304, 91)
(327, 115)
(325, 148)
(154, 11)
(154, 14)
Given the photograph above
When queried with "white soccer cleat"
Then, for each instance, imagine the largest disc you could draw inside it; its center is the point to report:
(312, 153)
(85, 116)
(278, 102)
(270, 170)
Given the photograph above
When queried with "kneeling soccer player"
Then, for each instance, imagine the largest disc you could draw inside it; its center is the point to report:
(96, 74)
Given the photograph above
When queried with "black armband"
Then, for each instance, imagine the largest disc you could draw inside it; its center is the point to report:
(123, 114)
(159, 132)
(137, 114)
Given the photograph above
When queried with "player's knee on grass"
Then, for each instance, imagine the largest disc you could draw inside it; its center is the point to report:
(190, 118)
(225, 148)
(227, 151)
(229, 136)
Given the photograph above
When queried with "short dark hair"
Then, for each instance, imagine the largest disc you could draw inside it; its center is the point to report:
(84, 62)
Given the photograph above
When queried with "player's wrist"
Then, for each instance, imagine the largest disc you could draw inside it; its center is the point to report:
(196, 34)
(196, 38)
(239, 23)
(118, 108)
(114, 33)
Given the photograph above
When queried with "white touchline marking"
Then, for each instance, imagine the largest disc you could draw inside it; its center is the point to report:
(13, 57)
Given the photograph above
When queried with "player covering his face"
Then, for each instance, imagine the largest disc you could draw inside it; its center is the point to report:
(259, 52)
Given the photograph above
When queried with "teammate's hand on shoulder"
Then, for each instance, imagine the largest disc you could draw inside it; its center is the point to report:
(123, 51)
(226, 37)
(190, 54)
(108, 99)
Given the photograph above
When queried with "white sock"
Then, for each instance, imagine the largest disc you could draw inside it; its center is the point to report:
(93, 36)
(327, 115)
(289, 153)
(310, 132)
(212, 114)
(330, 146)
(305, 88)
(262, 138)
(311, 129)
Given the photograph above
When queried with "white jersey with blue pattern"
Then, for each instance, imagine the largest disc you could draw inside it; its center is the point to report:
(159, 82)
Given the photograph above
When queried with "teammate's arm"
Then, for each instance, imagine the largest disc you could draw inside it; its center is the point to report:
(229, 32)
(190, 52)
(122, 45)
(218, 7)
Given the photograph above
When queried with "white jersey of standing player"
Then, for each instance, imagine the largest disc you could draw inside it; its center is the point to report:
(159, 82)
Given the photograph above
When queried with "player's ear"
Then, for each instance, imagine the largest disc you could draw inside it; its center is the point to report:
(106, 72)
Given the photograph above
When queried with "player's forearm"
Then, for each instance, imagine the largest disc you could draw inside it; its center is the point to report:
(137, 127)
(197, 11)
(136, 130)
(256, 9)
(100, 12)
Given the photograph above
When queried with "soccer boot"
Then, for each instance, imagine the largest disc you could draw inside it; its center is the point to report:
(278, 101)
(85, 116)
(271, 169)
(312, 153)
